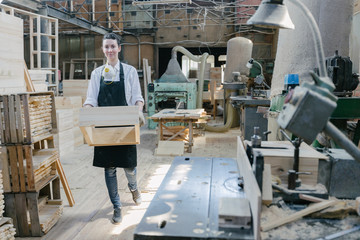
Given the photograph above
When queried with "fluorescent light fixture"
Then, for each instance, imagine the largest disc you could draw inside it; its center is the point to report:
(149, 2)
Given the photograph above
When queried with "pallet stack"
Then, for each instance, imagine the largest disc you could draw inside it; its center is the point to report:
(29, 162)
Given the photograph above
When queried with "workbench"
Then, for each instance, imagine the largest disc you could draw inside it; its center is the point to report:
(183, 117)
(186, 205)
(249, 115)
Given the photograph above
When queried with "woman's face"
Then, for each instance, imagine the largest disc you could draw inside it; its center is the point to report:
(111, 49)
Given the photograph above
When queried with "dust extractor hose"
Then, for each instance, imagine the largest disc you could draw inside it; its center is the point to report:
(202, 60)
(227, 125)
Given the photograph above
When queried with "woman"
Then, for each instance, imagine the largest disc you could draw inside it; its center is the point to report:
(116, 84)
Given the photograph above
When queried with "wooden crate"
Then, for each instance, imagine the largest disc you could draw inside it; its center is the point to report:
(26, 118)
(109, 126)
(31, 217)
(26, 169)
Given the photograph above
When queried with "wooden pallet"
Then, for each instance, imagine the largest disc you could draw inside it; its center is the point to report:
(27, 117)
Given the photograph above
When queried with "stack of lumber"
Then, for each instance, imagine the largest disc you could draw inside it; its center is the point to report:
(49, 215)
(11, 54)
(7, 230)
(64, 139)
(40, 108)
(44, 163)
(69, 133)
(75, 88)
(38, 78)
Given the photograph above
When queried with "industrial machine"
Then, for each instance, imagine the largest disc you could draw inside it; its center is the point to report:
(173, 89)
(168, 95)
(340, 72)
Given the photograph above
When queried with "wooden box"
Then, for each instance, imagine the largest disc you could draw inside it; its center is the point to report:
(110, 126)
(26, 118)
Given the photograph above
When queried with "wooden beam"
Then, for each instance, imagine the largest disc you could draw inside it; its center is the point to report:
(267, 194)
(311, 198)
(298, 215)
(65, 183)
(251, 187)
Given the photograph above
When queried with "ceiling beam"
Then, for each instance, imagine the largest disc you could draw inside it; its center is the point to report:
(55, 13)
(31, 5)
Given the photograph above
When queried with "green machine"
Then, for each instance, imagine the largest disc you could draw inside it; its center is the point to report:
(168, 94)
(173, 89)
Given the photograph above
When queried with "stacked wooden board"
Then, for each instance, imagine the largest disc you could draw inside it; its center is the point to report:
(40, 111)
(75, 88)
(29, 160)
(11, 54)
(27, 117)
(7, 230)
(69, 133)
(39, 78)
(44, 163)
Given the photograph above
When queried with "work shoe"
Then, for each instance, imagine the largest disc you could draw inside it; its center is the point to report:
(117, 218)
(136, 195)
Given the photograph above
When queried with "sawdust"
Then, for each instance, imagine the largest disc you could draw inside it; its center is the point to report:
(306, 228)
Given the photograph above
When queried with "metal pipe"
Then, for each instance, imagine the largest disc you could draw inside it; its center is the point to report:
(342, 140)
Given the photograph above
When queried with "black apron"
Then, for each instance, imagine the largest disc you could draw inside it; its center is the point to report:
(113, 94)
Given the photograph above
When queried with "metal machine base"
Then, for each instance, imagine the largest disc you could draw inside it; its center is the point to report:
(186, 205)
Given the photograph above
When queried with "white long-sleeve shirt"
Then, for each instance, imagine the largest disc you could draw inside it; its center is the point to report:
(132, 84)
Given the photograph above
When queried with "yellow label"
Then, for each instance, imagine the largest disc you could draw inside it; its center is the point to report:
(107, 69)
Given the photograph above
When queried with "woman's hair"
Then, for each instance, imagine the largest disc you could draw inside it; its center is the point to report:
(112, 36)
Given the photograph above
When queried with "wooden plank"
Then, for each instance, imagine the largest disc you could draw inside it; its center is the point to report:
(6, 118)
(20, 157)
(170, 148)
(65, 183)
(19, 119)
(29, 168)
(145, 76)
(109, 116)
(10, 209)
(2, 139)
(32, 202)
(21, 215)
(56, 187)
(15, 181)
(111, 136)
(251, 187)
(25, 100)
(5, 169)
(311, 198)
(267, 194)
(298, 215)
(29, 84)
